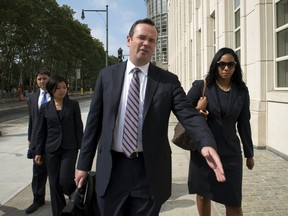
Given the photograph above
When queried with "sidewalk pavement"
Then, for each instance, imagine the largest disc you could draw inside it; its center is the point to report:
(12, 104)
(265, 188)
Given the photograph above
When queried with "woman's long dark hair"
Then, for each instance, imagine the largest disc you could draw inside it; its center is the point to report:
(213, 70)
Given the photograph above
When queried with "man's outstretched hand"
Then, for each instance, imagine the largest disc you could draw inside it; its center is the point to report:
(213, 160)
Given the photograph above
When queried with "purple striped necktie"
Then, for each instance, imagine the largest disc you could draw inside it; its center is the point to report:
(131, 120)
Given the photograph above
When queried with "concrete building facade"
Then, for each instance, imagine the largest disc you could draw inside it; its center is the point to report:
(258, 31)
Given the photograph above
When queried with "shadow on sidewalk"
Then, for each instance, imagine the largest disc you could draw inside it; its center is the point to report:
(18, 204)
(179, 199)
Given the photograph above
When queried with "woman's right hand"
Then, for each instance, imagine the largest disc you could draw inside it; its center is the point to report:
(202, 103)
(38, 159)
(250, 163)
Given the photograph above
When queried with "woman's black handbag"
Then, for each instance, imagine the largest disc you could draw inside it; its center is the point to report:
(83, 200)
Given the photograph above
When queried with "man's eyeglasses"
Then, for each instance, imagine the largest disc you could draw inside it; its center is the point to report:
(222, 64)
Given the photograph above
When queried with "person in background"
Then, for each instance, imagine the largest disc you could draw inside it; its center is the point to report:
(59, 135)
(128, 121)
(228, 108)
(39, 177)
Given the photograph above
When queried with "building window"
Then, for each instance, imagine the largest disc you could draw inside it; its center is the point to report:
(164, 6)
(237, 31)
(236, 3)
(282, 43)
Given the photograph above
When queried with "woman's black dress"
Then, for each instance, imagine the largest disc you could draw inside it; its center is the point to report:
(226, 111)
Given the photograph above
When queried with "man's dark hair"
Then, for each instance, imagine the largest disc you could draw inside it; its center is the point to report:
(42, 71)
(140, 21)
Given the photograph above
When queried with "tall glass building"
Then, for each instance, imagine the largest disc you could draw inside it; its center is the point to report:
(157, 11)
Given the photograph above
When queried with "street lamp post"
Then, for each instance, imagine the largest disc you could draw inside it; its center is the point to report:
(106, 11)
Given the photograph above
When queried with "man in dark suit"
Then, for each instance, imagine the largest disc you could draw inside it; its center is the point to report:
(39, 171)
(138, 183)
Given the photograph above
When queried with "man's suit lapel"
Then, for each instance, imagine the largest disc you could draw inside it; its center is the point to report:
(35, 100)
(117, 75)
(152, 83)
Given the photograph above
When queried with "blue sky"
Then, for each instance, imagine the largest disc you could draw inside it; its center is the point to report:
(121, 15)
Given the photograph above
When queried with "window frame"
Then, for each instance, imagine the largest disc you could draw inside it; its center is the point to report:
(281, 58)
(237, 29)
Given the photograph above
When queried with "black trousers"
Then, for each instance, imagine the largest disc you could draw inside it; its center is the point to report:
(61, 173)
(39, 180)
(128, 192)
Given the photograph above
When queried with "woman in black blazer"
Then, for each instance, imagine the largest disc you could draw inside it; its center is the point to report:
(228, 108)
(58, 139)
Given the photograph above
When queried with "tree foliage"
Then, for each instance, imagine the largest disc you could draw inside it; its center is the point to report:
(39, 33)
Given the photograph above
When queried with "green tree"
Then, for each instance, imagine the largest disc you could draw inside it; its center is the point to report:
(40, 33)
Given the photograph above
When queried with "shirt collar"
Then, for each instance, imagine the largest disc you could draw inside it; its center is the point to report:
(143, 68)
(42, 91)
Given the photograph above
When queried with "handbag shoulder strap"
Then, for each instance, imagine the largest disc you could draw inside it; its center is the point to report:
(204, 88)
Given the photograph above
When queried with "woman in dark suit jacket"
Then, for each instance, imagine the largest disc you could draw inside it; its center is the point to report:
(58, 139)
(228, 107)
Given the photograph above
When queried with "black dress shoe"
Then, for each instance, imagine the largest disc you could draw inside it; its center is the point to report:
(35, 205)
